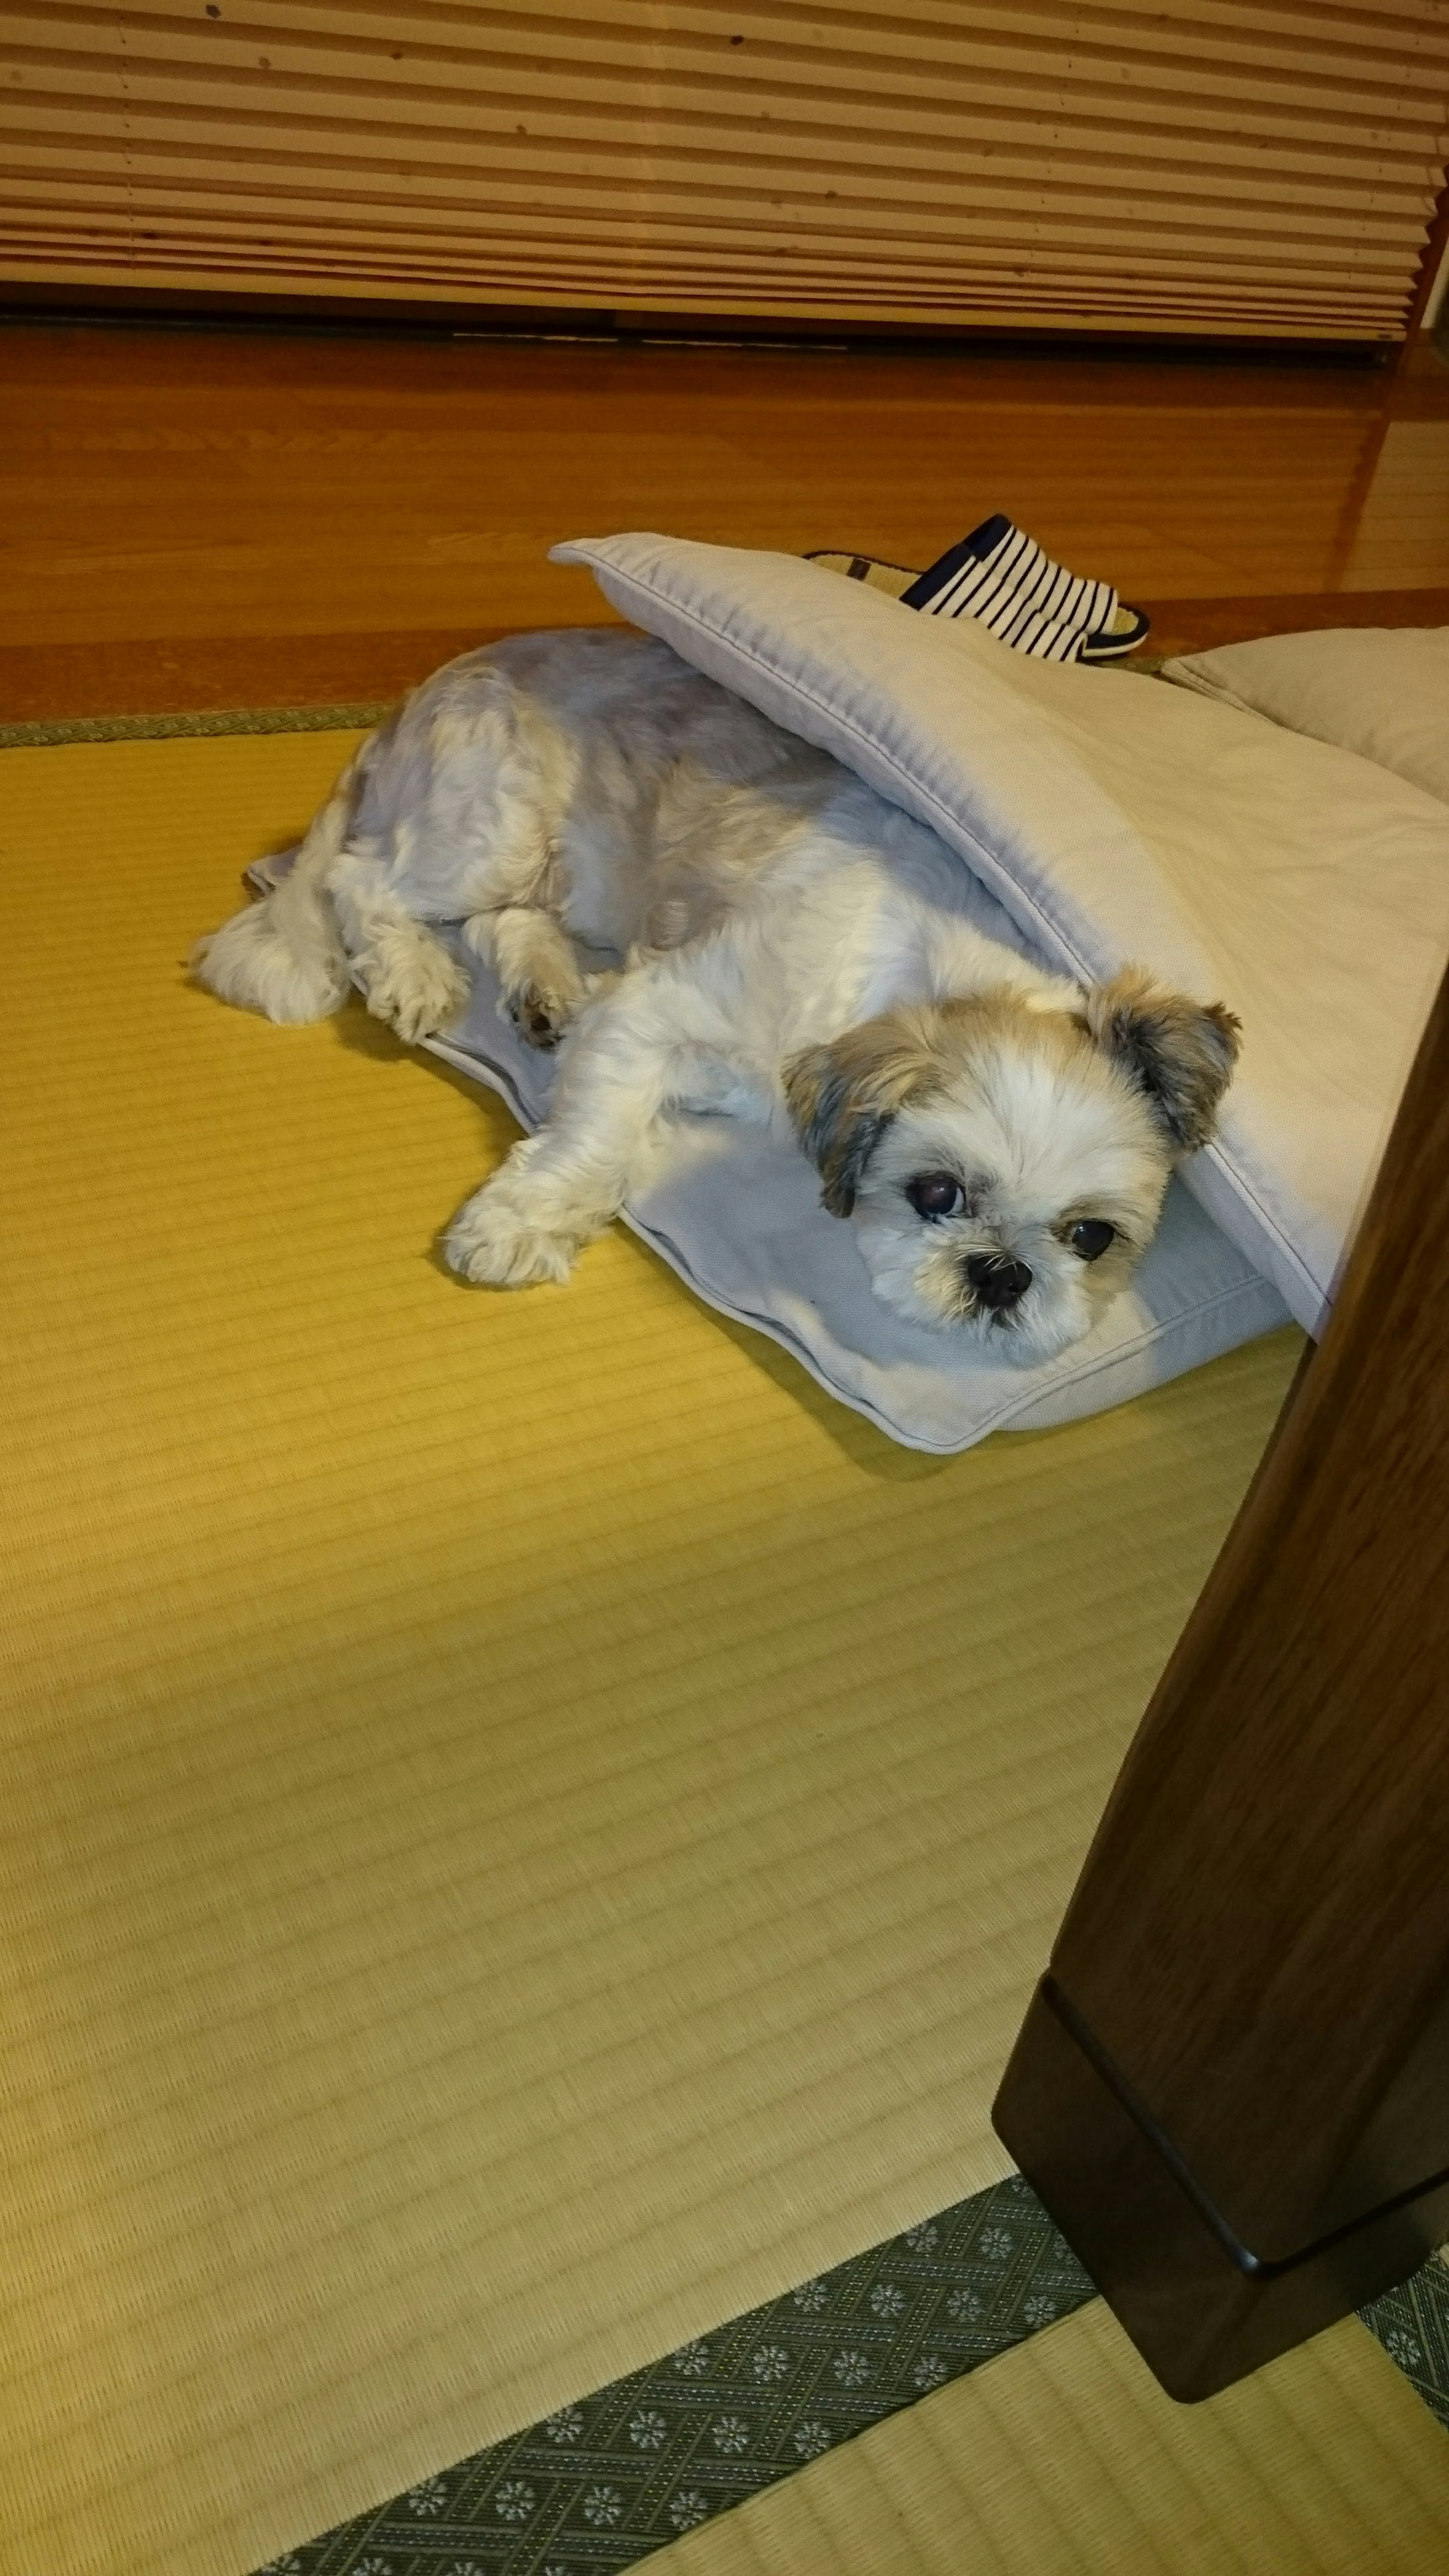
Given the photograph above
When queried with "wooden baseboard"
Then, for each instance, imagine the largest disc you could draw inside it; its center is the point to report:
(45, 682)
(1195, 625)
(30, 299)
(39, 683)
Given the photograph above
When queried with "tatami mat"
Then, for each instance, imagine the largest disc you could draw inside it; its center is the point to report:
(527, 1829)
(1065, 2459)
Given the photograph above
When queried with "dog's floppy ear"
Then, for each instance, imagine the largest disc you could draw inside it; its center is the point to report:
(1179, 1052)
(843, 1096)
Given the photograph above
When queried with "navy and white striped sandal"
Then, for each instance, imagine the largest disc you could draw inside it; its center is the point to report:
(1003, 578)
(894, 579)
(1010, 585)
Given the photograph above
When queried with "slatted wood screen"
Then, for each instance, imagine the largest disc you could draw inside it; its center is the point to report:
(1165, 165)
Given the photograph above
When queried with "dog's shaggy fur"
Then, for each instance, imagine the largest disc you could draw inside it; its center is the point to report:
(710, 914)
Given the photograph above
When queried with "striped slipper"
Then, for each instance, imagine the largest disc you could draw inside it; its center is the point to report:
(1002, 578)
(894, 579)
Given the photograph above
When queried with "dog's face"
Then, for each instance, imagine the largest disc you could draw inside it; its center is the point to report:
(1005, 1163)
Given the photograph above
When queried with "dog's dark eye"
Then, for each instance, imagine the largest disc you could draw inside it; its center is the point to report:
(1092, 1237)
(935, 1194)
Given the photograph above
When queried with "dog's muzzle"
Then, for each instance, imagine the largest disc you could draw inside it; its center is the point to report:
(999, 1283)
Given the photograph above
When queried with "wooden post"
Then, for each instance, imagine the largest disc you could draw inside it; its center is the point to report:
(1232, 2087)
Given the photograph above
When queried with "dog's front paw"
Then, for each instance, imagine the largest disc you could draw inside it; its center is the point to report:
(498, 1241)
(416, 987)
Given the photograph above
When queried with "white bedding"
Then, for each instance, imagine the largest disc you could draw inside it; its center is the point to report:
(1102, 817)
(1115, 819)
(739, 1217)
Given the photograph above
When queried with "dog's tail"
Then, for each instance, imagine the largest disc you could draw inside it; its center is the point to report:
(284, 956)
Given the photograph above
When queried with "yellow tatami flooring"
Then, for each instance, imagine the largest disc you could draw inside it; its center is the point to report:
(1064, 2458)
(527, 1828)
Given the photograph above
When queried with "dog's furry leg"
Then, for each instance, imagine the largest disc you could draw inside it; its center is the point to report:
(291, 955)
(560, 1188)
(544, 983)
(285, 956)
(407, 976)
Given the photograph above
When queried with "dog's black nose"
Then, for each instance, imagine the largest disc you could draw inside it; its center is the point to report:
(998, 1282)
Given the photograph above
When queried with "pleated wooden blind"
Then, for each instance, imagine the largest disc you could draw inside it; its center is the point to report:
(1201, 166)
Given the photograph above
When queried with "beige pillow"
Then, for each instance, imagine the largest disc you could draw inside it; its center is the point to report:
(1382, 691)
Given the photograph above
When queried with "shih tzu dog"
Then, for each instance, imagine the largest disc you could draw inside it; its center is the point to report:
(703, 912)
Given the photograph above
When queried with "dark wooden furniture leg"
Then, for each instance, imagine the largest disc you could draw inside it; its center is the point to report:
(1232, 2087)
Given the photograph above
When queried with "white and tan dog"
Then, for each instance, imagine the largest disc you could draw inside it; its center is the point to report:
(712, 915)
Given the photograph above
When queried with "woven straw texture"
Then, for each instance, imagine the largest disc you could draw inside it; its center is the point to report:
(599, 2486)
(528, 1831)
(1065, 2459)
